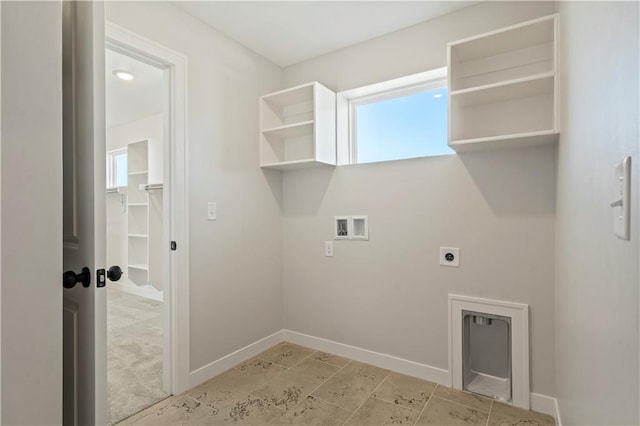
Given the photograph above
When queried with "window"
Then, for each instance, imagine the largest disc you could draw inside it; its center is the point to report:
(117, 168)
(393, 120)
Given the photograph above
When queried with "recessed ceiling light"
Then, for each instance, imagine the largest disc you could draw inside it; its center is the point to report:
(437, 95)
(123, 75)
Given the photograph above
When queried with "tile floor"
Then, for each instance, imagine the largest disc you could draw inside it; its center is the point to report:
(290, 384)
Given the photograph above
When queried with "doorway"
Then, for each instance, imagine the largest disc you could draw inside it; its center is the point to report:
(135, 122)
(174, 247)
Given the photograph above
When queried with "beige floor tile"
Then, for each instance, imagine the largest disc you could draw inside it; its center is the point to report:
(336, 360)
(444, 413)
(286, 354)
(313, 411)
(351, 386)
(249, 410)
(378, 412)
(174, 411)
(263, 392)
(292, 386)
(261, 368)
(236, 383)
(405, 391)
(469, 399)
(507, 415)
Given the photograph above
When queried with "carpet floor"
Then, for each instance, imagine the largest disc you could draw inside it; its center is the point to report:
(134, 354)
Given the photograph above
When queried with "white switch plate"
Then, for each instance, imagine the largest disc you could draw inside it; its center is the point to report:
(622, 199)
(450, 256)
(212, 211)
(328, 248)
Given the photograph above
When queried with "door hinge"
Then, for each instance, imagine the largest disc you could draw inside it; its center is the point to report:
(174, 246)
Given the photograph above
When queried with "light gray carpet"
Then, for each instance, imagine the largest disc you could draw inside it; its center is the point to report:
(134, 354)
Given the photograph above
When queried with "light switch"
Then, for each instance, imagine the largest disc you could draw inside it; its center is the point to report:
(212, 211)
(622, 199)
(328, 248)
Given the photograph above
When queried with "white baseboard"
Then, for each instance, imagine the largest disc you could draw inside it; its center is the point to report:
(546, 405)
(540, 403)
(389, 362)
(221, 365)
(147, 291)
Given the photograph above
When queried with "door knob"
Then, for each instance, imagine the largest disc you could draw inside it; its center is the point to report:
(114, 273)
(70, 278)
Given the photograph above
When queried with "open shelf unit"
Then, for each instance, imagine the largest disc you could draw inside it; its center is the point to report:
(138, 212)
(298, 128)
(503, 87)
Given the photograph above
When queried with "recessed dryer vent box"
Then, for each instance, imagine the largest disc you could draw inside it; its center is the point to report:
(360, 227)
(351, 228)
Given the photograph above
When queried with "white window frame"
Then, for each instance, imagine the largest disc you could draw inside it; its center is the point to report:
(111, 166)
(349, 100)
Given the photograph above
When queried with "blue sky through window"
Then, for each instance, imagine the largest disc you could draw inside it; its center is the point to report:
(120, 169)
(409, 126)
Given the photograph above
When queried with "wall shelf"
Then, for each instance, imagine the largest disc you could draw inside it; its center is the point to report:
(298, 128)
(506, 90)
(521, 139)
(298, 164)
(138, 212)
(504, 87)
(290, 130)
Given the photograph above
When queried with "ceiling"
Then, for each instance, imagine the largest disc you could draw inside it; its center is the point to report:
(128, 101)
(290, 32)
(283, 32)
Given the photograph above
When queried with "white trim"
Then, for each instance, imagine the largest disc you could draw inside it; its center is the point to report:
(221, 365)
(407, 83)
(1, 214)
(519, 314)
(111, 166)
(147, 291)
(546, 405)
(390, 362)
(348, 100)
(175, 224)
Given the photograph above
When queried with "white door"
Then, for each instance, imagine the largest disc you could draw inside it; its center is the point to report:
(84, 314)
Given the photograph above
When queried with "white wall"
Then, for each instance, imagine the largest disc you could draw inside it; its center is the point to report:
(31, 243)
(116, 233)
(596, 291)
(236, 261)
(150, 128)
(389, 294)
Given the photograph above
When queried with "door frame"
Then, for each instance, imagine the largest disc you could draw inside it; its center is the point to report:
(175, 199)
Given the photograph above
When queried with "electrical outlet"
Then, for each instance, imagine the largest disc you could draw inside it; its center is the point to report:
(328, 248)
(450, 256)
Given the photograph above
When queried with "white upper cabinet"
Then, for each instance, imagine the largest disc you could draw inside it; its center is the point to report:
(298, 128)
(503, 87)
